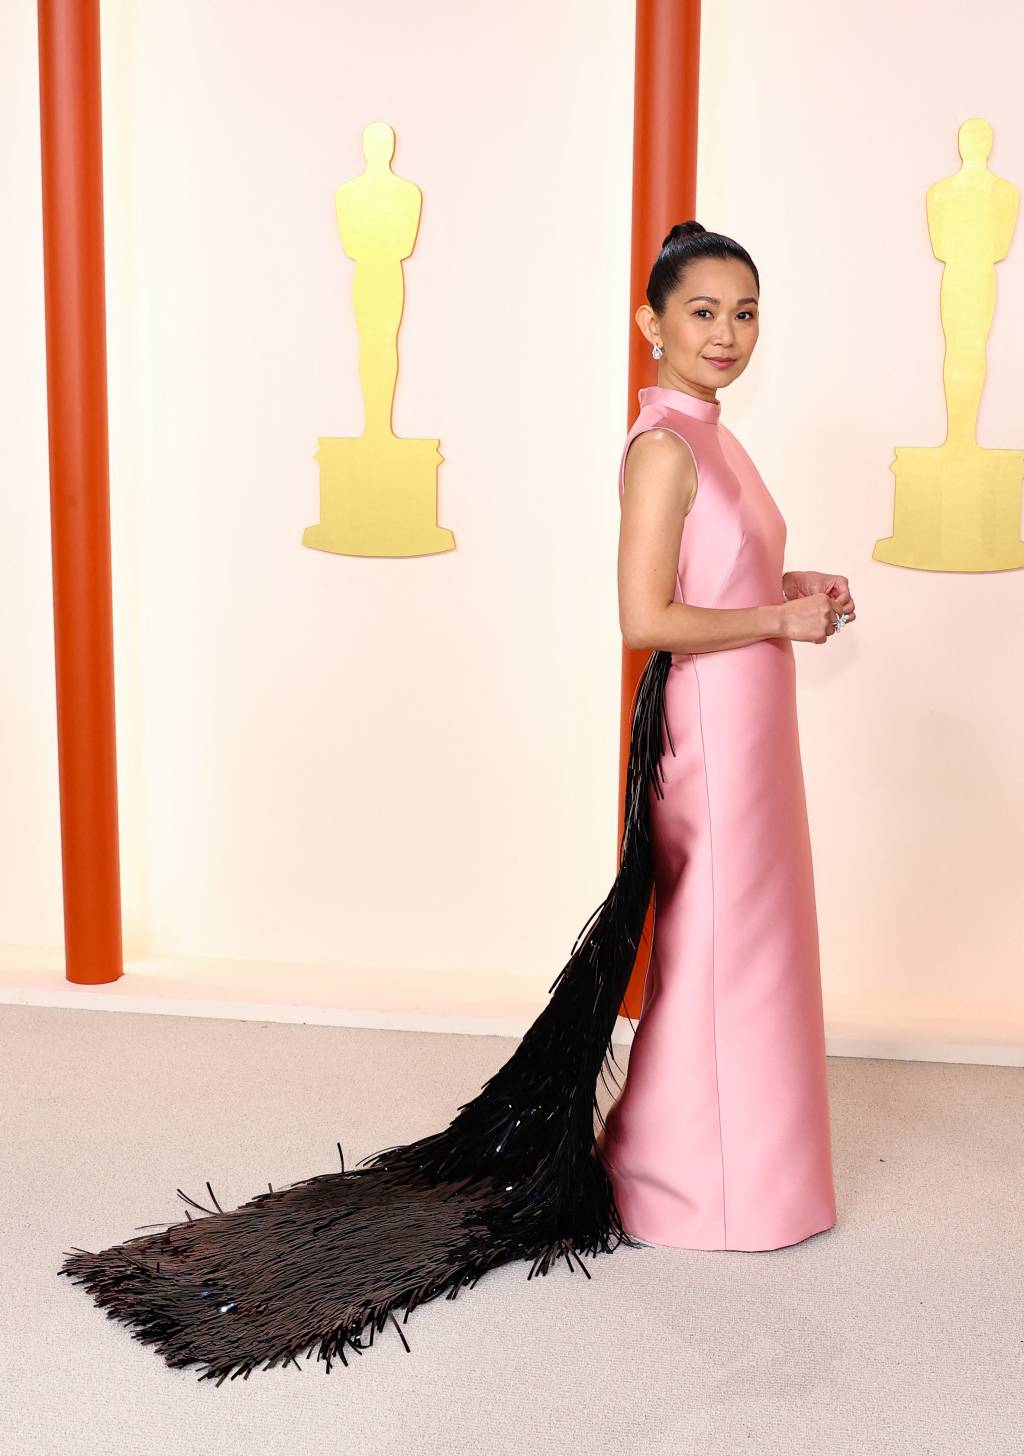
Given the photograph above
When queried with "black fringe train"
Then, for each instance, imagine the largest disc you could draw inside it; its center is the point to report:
(516, 1175)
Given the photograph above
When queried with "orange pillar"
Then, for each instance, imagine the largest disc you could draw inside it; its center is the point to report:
(664, 193)
(76, 380)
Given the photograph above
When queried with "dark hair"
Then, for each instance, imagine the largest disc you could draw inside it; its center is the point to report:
(687, 242)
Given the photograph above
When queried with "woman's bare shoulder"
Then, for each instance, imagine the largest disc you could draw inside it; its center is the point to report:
(661, 446)
(662, 458)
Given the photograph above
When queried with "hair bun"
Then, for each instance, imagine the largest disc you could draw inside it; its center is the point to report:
(686, 244)
(684, 230)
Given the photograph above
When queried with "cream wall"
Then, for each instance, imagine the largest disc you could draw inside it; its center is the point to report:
(394, 764)
(411, 766)
(820, 130)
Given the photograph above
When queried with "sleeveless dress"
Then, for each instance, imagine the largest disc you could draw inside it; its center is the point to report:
(720, 1136)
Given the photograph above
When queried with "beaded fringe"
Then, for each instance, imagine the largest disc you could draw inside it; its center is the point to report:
(325, 1263)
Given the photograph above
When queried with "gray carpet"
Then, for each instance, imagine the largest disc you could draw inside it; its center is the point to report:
(900, 1330)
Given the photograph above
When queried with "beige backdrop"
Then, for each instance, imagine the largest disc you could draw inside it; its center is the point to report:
(397, 768)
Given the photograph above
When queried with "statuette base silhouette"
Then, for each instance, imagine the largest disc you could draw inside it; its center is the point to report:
(938, 525)
(378, 497)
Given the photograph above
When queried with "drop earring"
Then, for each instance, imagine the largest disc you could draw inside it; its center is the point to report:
(657, 351)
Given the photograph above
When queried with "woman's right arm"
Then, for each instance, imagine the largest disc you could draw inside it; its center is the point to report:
(658, 485)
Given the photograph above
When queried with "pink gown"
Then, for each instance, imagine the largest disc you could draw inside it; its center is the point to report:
(720, 1136)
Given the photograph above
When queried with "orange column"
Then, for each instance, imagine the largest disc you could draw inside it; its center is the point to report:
(76, 380)
(664, 193)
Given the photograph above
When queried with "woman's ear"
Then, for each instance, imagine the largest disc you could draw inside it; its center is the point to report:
(643, 317)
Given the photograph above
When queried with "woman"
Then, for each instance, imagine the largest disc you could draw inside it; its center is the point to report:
(720, 1139)
(518, 1173)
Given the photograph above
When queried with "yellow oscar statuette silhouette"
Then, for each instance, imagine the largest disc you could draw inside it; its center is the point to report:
(957, 505)
(378, 492)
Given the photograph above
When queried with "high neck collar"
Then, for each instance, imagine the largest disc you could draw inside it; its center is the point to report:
(678, 399)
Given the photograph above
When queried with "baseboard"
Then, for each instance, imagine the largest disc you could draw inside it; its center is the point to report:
(473, 1005)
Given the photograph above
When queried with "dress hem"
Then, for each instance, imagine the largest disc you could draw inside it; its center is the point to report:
(733, 1248)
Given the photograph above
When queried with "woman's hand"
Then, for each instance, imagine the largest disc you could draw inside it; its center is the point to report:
(807, 619)
(810, 583)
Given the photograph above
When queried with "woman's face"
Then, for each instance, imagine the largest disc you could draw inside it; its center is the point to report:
(712, 314)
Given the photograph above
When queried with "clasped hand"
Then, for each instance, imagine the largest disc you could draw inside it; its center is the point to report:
(810, 583)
